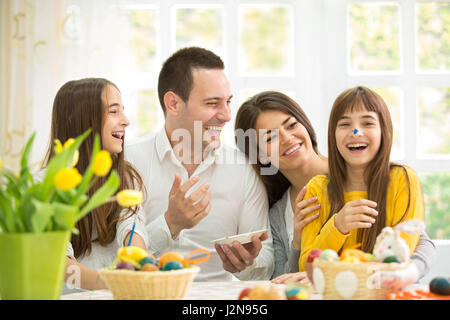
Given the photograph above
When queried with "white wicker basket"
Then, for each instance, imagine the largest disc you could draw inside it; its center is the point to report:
(144, 285)
(336, 280)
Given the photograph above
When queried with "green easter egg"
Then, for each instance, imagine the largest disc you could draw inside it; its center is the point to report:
(440, 285)
(370, 257)
(147, 260)
(172, 265)
(391, 259)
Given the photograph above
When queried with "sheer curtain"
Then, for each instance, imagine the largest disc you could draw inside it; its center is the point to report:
(45, 43)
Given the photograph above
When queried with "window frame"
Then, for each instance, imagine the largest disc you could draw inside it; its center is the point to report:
(320, 65)
(408, 79)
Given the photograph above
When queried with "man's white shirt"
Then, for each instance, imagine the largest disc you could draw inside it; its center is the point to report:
(238, 204)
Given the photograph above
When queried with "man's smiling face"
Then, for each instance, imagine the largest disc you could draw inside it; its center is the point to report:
(209, 104)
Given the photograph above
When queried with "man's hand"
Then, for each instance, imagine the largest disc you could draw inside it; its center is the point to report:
(185, 213)
(237, 257)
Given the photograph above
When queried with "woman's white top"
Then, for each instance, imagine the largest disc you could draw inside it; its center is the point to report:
(102, 256)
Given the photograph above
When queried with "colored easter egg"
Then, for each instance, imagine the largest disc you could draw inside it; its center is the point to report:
(171, 256)
(351, 259)
(315, 253)
(149, 267)
(172, 265)
(329, 255)
(302, 295)
(440, 285)
(292, 291)
(244, 293)
(360, 255)
(266, 292)
(391, 259)
(147, 260)
(131, 253)
(124, 265)
(370, 257)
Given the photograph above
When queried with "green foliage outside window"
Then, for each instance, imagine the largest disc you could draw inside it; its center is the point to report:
(433, 35)
(142, 39)
(434, 113)
(200, 27)
(391, 95)
(265, 39)
(374, 37)
(147, 113)
(436, 189)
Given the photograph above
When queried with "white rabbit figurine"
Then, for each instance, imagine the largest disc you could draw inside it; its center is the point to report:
(389, 242)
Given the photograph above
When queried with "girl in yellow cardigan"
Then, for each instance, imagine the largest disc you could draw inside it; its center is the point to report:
(364, 191)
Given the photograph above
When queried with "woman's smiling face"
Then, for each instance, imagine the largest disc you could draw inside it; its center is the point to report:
(283, 139)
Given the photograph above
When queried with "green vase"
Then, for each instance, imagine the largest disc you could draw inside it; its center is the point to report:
(32, 265)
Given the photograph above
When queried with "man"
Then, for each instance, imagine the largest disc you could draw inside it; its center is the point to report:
(192, 196)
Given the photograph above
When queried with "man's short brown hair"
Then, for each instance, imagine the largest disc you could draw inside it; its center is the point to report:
(176, 72)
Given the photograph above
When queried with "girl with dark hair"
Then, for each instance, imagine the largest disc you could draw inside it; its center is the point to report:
(280, 120)
(96, 103)
(363, 191)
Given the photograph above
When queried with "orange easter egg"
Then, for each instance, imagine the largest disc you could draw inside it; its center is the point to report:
(171, 256)
(149, 267)
(350, 255)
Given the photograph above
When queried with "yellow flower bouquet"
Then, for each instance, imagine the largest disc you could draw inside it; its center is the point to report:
(31, 210)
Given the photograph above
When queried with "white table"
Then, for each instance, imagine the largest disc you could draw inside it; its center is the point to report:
(229, 290)
(197, 291)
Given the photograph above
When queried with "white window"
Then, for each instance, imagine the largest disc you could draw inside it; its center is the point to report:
(309, 49)
(402, 50)
(312, 50)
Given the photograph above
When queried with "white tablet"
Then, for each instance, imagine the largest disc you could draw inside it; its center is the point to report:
(241, 238)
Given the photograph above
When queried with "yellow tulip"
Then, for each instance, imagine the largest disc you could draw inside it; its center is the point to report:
(129, 198)
(1, 163)
(76, 156)
(102, 163)
(69, 142)
(59, 148)
(67, 179)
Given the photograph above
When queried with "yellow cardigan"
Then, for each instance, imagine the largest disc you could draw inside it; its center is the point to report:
(323, 234)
